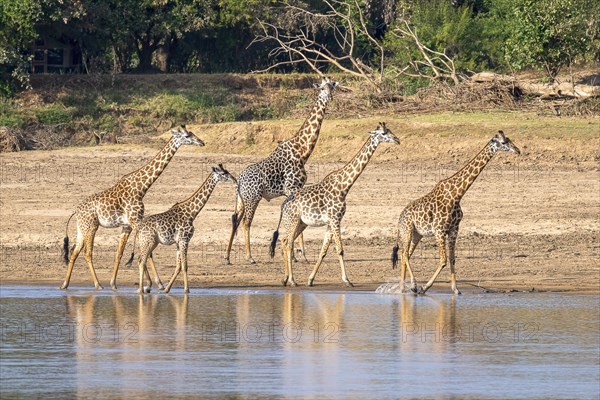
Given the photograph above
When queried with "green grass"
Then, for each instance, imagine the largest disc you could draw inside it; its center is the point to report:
(11, 116)
(54, 115)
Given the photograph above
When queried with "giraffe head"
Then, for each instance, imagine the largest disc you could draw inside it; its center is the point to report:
(223, 175)
(182, 137)
(326, 88)
(500, 142)
(383, 135)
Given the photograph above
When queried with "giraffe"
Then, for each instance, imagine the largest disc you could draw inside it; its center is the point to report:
(119, 206)
(324, 203)
(281, 173)
(439, 214)
(175, 226)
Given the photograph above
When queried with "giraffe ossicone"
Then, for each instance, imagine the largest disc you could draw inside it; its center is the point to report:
(439, 214)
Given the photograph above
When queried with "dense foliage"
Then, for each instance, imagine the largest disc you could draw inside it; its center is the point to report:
(216, 35)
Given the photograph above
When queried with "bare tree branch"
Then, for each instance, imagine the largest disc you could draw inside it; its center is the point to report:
(440, 65)
(303, 46)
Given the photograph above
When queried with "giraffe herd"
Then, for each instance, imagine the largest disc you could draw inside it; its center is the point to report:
(282, 173)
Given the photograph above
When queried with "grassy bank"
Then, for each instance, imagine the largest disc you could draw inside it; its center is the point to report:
(78, 110)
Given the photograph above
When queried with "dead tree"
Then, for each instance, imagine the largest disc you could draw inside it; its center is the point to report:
(345, 21)
(433, 65)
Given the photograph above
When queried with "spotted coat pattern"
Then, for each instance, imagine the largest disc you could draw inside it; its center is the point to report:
(324, 204)
(175, 226)
(120, 206)
(281, 173)
(439, 214)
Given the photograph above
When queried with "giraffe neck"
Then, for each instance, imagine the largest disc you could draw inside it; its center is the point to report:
(461, 181)
(305, 140)
(144, 177)
(344, 178)
(194, 204)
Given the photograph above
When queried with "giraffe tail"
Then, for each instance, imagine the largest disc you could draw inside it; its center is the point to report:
(65, 251)
(395, 256)
(273, 243)
(276, 234)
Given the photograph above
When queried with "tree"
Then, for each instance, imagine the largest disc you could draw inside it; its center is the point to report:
(548, 34)
(340, 37)
(17, 32)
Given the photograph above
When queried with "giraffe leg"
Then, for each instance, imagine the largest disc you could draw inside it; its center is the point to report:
(451, 260)
(288, 255)
(284, 249)
(250, 209)
(177, 270)
(74, 254)
(413, 245)
(301, 247)
(324, 248)
(442, 241)
(142, 272)
(337, 238)
(126, 231)
(159, 283)
(89, 247)
(405, 263)
(147, 275)
(184, 267)
(237, 216)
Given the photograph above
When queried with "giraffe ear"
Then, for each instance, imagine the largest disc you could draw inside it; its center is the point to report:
(500, 135)
(215, 170)
(316, 86)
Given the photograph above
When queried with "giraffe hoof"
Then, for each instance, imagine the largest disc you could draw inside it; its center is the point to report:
(293, 284)
(349, 284)
(251, 261)
(284, 281)
(99, 286)
(310, 283)
(457, 292)
(64, 286)
(414, 289)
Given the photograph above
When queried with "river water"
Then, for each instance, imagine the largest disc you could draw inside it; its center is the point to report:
(297, 344)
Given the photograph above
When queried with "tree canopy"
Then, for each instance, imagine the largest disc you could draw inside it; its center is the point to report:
(122, 36)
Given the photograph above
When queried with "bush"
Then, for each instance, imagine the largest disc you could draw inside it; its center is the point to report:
(54, 115)
(9, 117)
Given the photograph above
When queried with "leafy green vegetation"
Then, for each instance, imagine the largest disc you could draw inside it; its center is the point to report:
(54, 115)
(212, 36)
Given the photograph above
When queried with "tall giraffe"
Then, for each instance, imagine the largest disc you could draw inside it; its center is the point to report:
(280, 173)
(439, 214)
(120, 206)
(175, 226)
(324, 203)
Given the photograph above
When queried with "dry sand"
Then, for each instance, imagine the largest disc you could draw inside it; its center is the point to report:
(531, 222)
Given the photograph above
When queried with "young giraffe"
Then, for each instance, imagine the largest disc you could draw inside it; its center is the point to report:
(280, 173)
(121, 205)
(175, 226)
(439, 214)
(324, 203)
